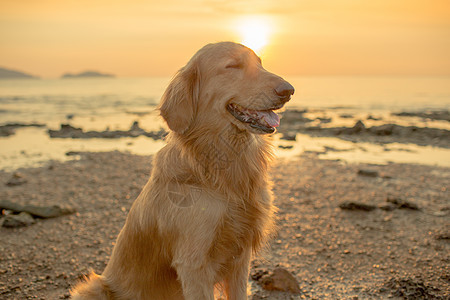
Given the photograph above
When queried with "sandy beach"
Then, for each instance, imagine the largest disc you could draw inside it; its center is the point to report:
(346, 231)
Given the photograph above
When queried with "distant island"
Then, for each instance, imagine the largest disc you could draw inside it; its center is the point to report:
(87, 74)
(13, 74)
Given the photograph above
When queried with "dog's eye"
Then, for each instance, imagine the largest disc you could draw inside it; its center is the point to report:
(235, 65)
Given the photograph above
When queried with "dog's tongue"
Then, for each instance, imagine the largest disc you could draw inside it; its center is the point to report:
(270, 117)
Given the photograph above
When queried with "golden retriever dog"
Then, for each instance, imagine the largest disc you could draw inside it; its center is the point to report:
(207, 206)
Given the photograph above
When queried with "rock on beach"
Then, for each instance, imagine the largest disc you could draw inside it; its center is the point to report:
(68, 131)
(21, 220)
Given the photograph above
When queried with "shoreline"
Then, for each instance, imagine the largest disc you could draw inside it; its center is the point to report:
(422, 136)
(331, 251)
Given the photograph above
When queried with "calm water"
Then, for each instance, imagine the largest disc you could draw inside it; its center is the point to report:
(114, 103)
(94, 103)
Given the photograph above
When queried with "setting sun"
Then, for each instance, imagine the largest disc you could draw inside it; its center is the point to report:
(254, 33)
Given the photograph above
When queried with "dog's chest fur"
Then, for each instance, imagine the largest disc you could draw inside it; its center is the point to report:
(243, 226)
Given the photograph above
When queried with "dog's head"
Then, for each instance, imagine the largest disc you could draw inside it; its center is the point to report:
(223, 84)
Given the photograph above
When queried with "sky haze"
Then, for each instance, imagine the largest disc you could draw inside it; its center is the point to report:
(155, 38)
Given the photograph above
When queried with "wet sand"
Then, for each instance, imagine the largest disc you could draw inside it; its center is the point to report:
(333, 252)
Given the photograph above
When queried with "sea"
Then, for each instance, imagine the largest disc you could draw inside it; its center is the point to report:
(115, 103)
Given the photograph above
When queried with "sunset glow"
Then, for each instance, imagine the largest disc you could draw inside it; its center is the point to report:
(254, 33)
(154, 38)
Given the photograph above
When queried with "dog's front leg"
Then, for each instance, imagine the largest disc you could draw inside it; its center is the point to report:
(236, 281)
(196, 226)
(196, 271)
(197, 282)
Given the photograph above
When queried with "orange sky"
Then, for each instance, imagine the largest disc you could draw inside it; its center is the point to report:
(155, 38)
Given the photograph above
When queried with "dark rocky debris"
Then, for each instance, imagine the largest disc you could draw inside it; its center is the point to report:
(36, 211)
(10, 128)
(68, 131)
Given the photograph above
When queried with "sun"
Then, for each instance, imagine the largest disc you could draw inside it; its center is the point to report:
(254, 32)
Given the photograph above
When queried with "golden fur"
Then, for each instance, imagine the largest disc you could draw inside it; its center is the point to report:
(207, 205)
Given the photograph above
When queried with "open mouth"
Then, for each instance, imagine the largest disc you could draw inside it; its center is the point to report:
(261, 120)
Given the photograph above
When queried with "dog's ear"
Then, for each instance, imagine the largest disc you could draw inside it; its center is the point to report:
(179, 102)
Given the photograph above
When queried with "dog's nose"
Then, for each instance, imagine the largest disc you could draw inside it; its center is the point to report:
(284, 90)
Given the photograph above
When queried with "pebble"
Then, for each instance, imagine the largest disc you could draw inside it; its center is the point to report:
(350, 205)
(400, 203)
(16, 179)
(368, 173)
(37, 211)
(280, 280)
(289, 136)
(387, 206)
(21, 220)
